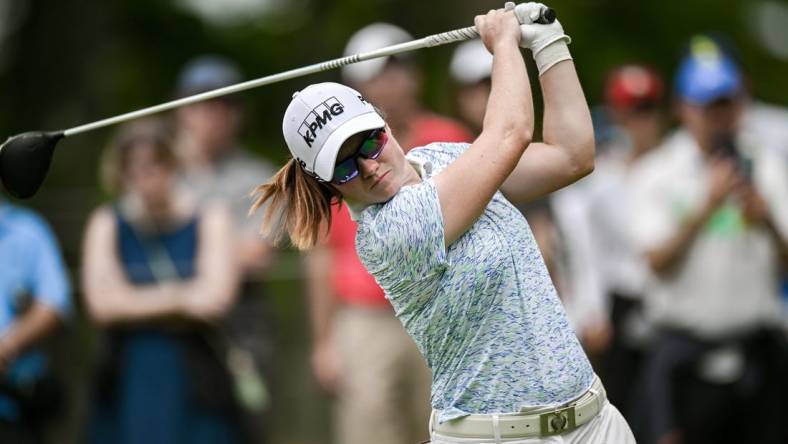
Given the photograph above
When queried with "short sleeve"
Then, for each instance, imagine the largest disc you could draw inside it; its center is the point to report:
(49, 284)
(401, 243)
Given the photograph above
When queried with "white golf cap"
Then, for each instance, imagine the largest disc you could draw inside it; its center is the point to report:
(318, 121)
(471, 63)
(368, 38)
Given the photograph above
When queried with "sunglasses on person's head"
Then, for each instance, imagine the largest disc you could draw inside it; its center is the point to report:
(369, 148)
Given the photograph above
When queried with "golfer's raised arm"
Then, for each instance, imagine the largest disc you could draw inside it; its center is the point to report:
(466, 186)
(567, 151)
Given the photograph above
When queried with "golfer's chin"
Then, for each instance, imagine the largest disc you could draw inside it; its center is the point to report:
(385, 190)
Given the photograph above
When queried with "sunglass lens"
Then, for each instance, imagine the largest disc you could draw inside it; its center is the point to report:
(345, 171)
(370, 148)
(373, 145)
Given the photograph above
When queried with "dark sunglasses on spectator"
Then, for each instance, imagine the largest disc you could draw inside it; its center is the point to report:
(369, 148)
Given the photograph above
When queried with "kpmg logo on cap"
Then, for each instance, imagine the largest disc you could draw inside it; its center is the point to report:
(318, 117)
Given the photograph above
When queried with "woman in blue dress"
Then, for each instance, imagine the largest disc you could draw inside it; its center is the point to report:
(438, 231)
(157, 272)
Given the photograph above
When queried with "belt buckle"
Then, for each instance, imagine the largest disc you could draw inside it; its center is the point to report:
(557, 422)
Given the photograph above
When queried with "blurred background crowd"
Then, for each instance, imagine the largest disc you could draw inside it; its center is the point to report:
(139, 304)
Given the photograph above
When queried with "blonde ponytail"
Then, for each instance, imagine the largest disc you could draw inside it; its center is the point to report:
(296, 204)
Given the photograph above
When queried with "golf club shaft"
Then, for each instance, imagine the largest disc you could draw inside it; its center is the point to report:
(425, 42)
(443, 38)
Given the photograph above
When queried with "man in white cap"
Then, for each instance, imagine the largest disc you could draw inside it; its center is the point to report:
(394, 84)
(471, 66)
(634, 97)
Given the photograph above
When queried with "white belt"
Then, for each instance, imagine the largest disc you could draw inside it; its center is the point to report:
(556, 421)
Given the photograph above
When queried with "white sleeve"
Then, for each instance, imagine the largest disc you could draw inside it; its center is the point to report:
(653, 220)
(771, 179)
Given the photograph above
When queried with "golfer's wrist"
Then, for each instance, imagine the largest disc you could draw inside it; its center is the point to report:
(551, 54)
(504, 45)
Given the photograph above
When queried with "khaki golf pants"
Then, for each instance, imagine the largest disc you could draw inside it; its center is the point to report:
(385, 382)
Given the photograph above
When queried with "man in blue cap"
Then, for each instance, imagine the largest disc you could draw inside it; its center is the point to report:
(711, 218)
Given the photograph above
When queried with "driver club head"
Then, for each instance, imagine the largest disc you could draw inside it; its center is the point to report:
(25, 159)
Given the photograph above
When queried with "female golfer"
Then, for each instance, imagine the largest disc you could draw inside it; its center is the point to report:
(457, 261)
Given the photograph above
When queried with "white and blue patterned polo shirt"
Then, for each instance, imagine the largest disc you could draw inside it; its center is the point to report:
(484, 313)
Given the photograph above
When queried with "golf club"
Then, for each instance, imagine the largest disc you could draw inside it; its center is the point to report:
(25, 158)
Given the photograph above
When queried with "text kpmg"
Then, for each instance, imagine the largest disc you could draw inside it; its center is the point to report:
(318, 117)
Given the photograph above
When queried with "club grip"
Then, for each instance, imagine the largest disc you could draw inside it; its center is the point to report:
(547, 17)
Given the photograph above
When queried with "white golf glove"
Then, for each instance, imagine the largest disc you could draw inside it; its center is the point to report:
(526, 13)
(548, 43)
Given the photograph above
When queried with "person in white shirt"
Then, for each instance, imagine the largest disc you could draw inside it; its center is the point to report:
(711, 218)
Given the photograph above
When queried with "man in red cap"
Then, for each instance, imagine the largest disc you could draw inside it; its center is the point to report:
(633, 98)
(361, 353)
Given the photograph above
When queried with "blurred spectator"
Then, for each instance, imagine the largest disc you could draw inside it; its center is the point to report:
(158, 272)
(769, 122)
(34, 299)
(766, 122)
(361, 352)
(634, 98)
(710, 215)
(216, 168)
(470, 67)
(578, 283)
(394, 84)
